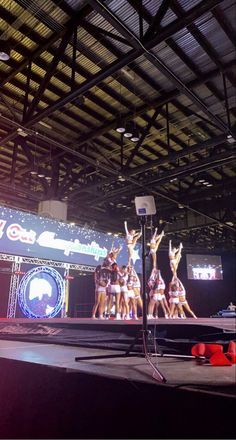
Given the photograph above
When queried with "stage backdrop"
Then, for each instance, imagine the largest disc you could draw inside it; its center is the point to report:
(30, 235)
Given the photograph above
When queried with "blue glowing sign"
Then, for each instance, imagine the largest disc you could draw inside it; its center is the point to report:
(41, 292)
(30, 235)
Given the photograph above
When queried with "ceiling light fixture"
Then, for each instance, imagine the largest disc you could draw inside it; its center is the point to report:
(121, 178)
(128, 130)
(120, 126)
(135, 136)
(21, 132)
(5, 50)
(230, 139)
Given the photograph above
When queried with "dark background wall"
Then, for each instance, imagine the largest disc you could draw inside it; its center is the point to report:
(82, 295)
(205, 297)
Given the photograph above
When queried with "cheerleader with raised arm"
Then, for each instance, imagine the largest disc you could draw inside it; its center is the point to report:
(154, 244)
(111, 256)
(174, 257)
(131, 239)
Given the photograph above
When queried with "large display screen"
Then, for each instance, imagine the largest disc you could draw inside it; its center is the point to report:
(204, 267)
(30, 235)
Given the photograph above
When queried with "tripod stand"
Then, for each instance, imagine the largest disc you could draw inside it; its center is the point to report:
(144, 332)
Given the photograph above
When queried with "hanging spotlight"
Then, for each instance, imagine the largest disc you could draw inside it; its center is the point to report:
(135, 137)
(4, 50)
(128, 130)
(120, 126)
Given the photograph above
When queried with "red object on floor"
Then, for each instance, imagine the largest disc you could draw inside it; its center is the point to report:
(231, 357)
(218, 359)
(198, 350)
(206, 350)
(213, 348)
(232, 347)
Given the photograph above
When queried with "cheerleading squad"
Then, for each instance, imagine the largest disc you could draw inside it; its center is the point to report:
(120, 288)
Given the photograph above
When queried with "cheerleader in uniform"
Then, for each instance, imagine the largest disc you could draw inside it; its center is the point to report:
(137, 290)
(174, 257)
(101, 279)
(174, 299)
(124, 306)
(114, 291)
(131, 294)
(131, 240)
(157, 286)
(182, 299)
(154, 244)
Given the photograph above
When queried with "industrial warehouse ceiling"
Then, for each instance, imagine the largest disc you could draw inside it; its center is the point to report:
(166, 67)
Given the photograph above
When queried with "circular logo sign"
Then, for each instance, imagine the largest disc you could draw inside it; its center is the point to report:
(41, 292)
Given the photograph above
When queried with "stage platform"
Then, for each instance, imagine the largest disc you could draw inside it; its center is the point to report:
(45, 393)
(171, 334)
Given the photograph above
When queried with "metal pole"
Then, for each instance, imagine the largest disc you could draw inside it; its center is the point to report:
(144, 296)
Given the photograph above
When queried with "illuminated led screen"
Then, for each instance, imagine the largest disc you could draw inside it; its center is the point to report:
(30, 235)
(41, 292)
(204, 267)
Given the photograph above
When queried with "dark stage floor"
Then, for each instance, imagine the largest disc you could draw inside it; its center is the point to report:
(171, 335)
(180, 372)
(56, 342)
(53, 396)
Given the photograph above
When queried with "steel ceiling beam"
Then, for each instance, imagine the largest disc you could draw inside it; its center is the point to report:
(49, 74)
(127, 33)
(156, 21)
(195, 167)
(159, 102)
(84, 10)
(141, 140)
(158, 162)
(226, 25)
(91, 28)
(169, 30)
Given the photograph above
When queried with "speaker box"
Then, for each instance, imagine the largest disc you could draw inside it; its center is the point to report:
(53, 209)
(145, 205)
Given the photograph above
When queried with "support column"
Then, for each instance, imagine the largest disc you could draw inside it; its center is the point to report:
(15, 277)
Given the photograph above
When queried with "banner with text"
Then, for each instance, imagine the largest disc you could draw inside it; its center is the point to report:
(30, 235)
